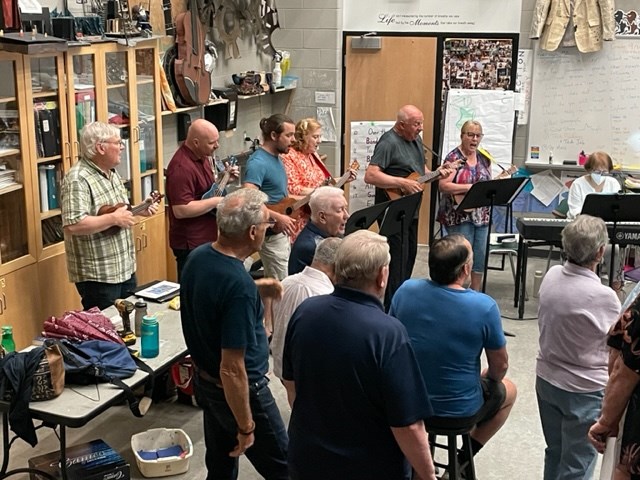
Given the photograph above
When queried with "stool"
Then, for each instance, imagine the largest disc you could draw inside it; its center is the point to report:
(454, 469)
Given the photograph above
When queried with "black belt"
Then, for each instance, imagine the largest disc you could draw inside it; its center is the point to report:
(253, 386)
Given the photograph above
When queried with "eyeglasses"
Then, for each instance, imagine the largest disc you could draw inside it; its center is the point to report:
(473, 135)
(271, 222)
(120, 143)
(601, 172)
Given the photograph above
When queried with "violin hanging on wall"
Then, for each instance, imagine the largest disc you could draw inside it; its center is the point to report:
(192, 79)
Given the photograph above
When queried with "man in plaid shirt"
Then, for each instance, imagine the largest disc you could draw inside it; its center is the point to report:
(100, 262)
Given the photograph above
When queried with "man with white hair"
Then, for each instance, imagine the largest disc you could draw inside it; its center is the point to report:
(352, 378)
(222, 327)
(329, 215)
(315, 279)
(102, 264)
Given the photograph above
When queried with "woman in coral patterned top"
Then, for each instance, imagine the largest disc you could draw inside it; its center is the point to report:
(305, 170)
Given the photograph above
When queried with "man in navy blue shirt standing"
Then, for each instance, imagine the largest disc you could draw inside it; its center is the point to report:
(222, 324)
(352, 379)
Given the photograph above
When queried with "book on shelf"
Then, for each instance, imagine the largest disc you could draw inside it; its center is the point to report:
(44, 188)
(49, 181)
(7, 178)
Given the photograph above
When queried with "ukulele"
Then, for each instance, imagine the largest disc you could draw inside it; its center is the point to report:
(396, 193)
(291, 206)
(217, 189)
(458, 197)
(154, 197)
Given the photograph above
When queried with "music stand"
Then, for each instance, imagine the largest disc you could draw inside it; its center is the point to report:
(614, 207)
(364, 218)
(488, 194)
(400, 214)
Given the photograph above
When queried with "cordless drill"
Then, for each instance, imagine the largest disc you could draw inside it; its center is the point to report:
(125, 307)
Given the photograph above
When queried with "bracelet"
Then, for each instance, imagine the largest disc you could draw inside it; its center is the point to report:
(251, 429)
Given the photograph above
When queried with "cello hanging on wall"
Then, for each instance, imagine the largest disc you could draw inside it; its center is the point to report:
(192, 79)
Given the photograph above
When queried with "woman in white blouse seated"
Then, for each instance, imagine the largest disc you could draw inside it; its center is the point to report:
(598, 179)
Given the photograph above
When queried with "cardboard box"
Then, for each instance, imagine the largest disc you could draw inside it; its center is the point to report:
(88, 461)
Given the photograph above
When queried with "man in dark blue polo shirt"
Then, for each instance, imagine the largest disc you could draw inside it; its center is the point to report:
(222, 324)
(352, 379)
(329, 215)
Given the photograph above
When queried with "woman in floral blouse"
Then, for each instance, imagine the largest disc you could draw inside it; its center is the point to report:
(305, 170)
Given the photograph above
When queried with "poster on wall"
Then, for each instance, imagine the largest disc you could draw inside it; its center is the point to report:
(364, 137)
(523, 84)
(494, 109)
(467, 16)
(476, 63)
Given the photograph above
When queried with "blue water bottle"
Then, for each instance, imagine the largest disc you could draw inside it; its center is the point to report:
(150, 344)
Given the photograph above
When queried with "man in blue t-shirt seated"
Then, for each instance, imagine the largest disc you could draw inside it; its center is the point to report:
(352, 379)
(449, 326)
(329, 215)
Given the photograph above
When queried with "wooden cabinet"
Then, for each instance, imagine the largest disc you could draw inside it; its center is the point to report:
(20, 304)
(132, 103)
(150, 242)
(46, 101)
(59, 294)
(17, 233)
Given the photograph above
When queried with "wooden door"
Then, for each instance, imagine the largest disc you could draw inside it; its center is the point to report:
(379, 82)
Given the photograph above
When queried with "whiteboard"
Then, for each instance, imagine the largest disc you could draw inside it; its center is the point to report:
(364, 137)
(494, 109)
(586, 102)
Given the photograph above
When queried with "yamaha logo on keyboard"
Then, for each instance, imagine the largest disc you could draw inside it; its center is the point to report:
(628, 236)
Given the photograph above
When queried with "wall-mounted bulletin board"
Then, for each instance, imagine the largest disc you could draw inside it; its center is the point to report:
(586, 102)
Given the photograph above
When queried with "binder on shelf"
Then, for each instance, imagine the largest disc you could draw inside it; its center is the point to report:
(85, 107)
(147, 186)
(47, 128)
(44, 190)
(51, 186)
(124, 167)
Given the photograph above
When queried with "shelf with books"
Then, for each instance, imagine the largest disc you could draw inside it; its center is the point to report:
(50, 213)
(11, 188)
(7, 152)
(44, 94)
(53, 158)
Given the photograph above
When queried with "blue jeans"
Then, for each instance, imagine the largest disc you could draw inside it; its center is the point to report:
(477, 237)
(102, 295)
(566, 418)
(268, 454)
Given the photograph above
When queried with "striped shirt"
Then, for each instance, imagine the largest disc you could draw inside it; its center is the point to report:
(98, 257)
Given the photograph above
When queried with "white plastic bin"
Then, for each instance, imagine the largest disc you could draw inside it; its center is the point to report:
(156, 439)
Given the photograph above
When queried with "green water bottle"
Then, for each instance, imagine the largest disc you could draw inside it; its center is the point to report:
(7, 339)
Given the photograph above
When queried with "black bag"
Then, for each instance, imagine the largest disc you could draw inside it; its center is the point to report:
(98, 361)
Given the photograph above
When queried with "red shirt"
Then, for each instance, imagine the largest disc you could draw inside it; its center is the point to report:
(187, 179)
